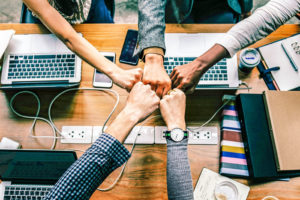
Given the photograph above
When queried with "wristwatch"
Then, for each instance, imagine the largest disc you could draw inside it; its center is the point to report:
(176, 134)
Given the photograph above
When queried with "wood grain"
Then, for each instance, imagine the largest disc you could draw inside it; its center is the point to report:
(145, 174)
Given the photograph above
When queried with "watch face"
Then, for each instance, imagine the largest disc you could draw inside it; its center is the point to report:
(177, 135)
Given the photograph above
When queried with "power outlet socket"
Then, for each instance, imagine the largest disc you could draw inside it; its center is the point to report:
(205, 135)
(77, 134)
(146, 135)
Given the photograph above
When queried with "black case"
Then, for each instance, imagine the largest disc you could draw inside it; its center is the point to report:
(257, 139)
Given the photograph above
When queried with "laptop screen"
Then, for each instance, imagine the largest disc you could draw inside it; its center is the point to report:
(42, 166)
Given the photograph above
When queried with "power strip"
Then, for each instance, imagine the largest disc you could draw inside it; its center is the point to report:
(76, 134)
(149, 135)
(146, 135)
(205, 135)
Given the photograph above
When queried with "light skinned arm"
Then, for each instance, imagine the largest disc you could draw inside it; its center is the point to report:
(51, 18)
(136, 109)
(107, 153)
(179, 178)
(152, 35)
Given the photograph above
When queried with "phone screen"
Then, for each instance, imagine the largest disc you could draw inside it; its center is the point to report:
(100, 77)
(129, 47)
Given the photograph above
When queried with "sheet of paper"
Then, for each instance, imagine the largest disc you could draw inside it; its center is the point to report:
(5, 36)
(207, 181)
(286, 78)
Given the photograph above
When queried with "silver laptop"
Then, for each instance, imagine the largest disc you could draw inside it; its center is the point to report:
(182, 48)
(37, 61)
(31, 174)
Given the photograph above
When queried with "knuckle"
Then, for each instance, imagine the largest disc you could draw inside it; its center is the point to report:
(180, 76)
(185, 81)
(147, 87)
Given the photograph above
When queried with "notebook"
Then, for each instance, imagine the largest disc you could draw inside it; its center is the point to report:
(283, 110)
(233, 160)
(274, 55)
(257, 139)
(5, 36)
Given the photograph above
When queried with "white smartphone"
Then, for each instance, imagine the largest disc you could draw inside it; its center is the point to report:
(100, 79)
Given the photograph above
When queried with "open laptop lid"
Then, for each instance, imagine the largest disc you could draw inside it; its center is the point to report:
(34, 166)
(38, 44)
(194, 45)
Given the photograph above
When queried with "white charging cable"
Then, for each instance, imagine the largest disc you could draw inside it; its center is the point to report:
(132, 148)
(35, 118)
(211, 118)
(75, 89)
(50, 121)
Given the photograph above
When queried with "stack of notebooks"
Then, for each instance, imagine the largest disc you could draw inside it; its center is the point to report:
(233, 160)
(271, 133)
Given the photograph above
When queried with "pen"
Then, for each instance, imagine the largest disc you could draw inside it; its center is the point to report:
(290, 59)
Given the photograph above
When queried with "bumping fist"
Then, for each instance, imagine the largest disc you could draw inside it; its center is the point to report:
(142, 101)
(156, 75)
(127, 78)
(172, 108)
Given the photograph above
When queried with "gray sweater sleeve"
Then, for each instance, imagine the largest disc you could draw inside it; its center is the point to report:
(179, 178)
(151, 24)
(260, 24)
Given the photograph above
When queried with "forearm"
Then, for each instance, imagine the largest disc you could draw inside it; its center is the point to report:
(210, 57)
(260, 24)
(179, 179)
(66, 33)
(87, 173)
(123, 124)
(90, 54)
(151, 24)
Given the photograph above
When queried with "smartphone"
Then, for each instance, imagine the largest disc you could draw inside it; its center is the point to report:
(128, 48)
(100, 79)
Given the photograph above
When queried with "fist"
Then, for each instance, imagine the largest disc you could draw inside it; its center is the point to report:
(172, 108)
(142, 101)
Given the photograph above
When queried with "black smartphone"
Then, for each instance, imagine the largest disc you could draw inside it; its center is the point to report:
(129, 47)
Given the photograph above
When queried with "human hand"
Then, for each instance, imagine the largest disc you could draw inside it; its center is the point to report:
(142, 101)
(127, 78)
(186, 77)
(172, 108)
(156, 75)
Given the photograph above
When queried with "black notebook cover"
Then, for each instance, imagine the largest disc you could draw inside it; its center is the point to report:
(257, 139)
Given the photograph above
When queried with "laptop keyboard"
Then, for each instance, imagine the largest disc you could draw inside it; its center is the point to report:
(216, 73)
(41, 66)
(26, 192)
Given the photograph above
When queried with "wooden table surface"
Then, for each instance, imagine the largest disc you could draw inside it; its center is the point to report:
(145, 174)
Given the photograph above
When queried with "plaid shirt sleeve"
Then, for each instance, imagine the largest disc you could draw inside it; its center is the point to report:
(90, 170)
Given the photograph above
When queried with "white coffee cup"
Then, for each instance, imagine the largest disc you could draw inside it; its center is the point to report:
(249, 58)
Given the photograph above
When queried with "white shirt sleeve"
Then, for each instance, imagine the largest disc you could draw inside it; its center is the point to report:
(260, 24)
